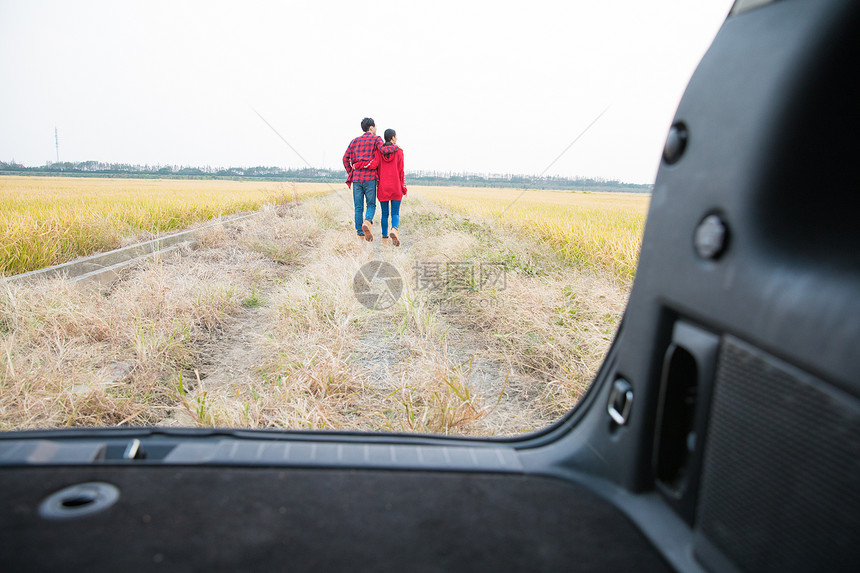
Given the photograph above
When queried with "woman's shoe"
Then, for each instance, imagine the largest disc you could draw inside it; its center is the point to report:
(395, 239)
(385, 241)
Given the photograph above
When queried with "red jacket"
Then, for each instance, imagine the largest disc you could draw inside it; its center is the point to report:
(392, 181)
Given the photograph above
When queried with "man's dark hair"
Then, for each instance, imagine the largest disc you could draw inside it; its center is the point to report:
(367, 123)
(389, 135)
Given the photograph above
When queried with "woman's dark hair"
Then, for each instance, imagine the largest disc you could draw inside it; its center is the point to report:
(367, 123)
(389, 135)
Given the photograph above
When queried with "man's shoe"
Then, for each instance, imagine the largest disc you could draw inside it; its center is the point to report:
(395, 239)
(385, 241)
(368, 233)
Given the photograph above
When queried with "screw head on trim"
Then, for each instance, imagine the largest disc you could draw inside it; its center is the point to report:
(711, 237)
(676, 142)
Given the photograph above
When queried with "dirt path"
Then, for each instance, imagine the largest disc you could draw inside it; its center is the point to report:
(259, 326)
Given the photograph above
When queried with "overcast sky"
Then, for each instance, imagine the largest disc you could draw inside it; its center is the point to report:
(497, 87)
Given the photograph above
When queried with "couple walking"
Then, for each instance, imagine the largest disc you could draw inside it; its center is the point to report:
(375, 171)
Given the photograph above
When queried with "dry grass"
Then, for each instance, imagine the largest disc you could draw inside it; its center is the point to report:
(552, 322)
(330, 363)
(75, 357)
(46, 221)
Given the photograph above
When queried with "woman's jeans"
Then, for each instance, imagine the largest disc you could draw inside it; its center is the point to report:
(395, 215)
(364, 191)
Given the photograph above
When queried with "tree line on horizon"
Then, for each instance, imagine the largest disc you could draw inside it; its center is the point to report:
(312, 174)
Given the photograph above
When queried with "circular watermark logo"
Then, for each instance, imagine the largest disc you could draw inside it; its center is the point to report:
(377, 285)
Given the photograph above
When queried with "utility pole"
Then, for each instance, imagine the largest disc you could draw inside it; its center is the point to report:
(57, 143)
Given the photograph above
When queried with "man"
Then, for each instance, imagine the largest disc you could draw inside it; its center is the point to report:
(361, 173)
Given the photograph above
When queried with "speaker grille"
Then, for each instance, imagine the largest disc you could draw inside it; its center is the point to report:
(782, 463)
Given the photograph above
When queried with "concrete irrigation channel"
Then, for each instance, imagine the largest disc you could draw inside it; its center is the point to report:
(102, 269)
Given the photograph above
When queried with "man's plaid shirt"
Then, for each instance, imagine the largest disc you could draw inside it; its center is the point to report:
(361, 151)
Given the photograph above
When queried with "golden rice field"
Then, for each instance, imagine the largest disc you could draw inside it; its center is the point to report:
(46, 221)
(51, 220)
(602, 231)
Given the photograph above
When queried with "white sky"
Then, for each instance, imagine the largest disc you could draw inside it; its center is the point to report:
(498, 87)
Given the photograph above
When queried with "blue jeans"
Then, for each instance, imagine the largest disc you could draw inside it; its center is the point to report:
(362, 192)
(395, 216)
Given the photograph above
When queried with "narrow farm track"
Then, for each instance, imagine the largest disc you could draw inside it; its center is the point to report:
(228, 362)
(258, 326)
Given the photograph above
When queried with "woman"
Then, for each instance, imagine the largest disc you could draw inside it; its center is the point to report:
(392, 186)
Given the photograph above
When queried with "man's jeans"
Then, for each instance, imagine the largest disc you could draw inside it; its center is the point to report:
(362, 192)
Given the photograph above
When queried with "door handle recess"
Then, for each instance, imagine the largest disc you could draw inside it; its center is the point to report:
(620, 401)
